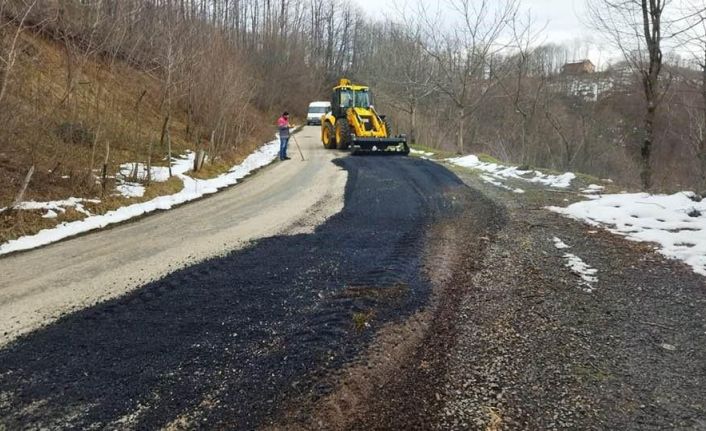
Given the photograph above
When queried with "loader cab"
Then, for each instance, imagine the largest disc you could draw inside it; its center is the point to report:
(349, 96)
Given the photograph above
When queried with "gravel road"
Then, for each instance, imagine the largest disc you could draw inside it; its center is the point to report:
(41, 285)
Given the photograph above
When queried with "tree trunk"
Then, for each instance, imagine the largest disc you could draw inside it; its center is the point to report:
(169, 152)
(91, 176)
(104, 174)
(25, 183)
(651, 18)
(461, 121)
(646, 148)
(149, 162)
(165, 126)
(702, 135)
(12, 53)
(413, 119)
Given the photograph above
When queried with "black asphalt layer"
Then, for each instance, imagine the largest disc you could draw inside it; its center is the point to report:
(227, 341)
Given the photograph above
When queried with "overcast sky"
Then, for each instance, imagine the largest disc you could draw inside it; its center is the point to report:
(563, 19)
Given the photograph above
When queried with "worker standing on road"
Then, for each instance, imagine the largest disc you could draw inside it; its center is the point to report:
(283, 125)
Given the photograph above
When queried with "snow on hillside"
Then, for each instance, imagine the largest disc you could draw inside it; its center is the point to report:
(501, 172)
(193, 189)
(138, 171)
(677, 223)
(54, 207)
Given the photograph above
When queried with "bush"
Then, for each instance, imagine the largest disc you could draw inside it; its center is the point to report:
(75, 133)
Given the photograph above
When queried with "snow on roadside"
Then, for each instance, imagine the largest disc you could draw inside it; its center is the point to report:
(491, 180)
(193, 189)
(558, 243)
(582, 269)
(423, 154)
(511, 172)
(593, 191)
(677, 222)
(578, 266)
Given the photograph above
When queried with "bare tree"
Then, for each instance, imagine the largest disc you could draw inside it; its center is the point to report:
(692, 36)
(522, 89)
(464, 54)
(402, 70)
(636, 28)
(8, 56)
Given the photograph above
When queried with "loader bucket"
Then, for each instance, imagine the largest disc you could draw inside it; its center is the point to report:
(380, 146)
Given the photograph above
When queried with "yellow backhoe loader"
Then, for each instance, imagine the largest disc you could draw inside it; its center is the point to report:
(354, 124)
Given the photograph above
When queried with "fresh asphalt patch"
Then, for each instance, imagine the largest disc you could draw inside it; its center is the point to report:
(225, 342)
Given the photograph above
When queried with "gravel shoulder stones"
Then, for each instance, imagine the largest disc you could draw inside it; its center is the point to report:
(536, 350)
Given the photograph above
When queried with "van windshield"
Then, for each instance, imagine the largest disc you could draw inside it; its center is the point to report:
(317, 109)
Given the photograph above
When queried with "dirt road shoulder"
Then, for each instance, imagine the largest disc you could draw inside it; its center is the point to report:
(544, 344)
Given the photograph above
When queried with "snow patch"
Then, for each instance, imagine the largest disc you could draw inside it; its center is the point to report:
(677, 222)
(577, 266)
(160, 174)
(558, 243)
(423, 154)
(513, 172)
(131, 172)
(53, 208)
(497, 183)
(593, 188)
(193, 189)
(582, 269)
(131, 190)
(593, 191)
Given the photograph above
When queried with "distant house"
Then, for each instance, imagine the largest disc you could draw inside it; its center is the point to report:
(578, 68)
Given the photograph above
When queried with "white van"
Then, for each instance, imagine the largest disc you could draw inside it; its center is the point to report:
(316, 111)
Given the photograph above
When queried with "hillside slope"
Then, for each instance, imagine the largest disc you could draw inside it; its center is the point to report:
(67, 114)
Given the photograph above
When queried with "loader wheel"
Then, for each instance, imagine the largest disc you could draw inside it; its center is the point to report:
(343, 134)
(328, 136)
(388, 127)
